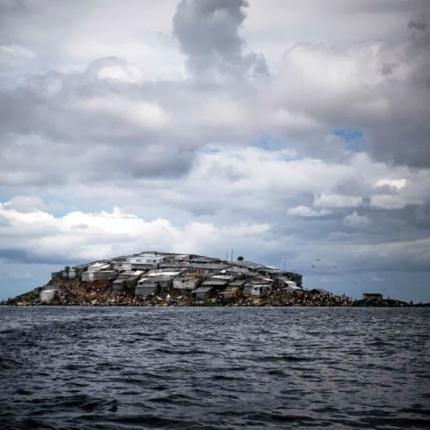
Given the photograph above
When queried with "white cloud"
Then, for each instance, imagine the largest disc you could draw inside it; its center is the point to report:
(124, 73)
(305, 211)
(397, 184)
(140, 113)
(16, 51)
(83, 235)
(357, 221)
(337, 201)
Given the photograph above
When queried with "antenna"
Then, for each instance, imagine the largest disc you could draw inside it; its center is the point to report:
(231, 255)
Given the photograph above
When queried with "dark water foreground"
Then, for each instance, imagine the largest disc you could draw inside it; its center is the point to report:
(214, 368)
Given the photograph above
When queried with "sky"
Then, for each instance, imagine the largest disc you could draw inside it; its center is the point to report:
(295, 134)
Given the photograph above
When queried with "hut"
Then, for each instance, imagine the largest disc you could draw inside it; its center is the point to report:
(230, 293)
(104, 275)
(188, 282)
(55, 276)
(261, 290)
(146, 288)
(118, 284)
(204, 293)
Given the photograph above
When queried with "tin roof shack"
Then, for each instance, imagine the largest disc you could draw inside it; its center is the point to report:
(237, 270)
(239, 283)
(319, 291)
(286, 285)
(117, 263)
(56, 276)
(144, 261)
(187, 282)
(75, 272)
(230, 277)
(230, 293)
(215, 283)
(261, 290)
(372, 297)
(146, 287)
(259, 282)
(65, 273)
(207, 268)
(48, 295)
(295, 277)
(181, 258)
(204, 293)
(92, 269)
(104, 275)
(164, 278)
(118, 285)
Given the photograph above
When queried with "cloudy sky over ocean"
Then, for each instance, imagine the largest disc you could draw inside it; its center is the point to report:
(296, 134)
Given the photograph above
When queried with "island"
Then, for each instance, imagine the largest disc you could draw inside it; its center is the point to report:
(153, 278)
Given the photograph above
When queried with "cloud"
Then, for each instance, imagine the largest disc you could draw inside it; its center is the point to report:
(397, 184)
(355, 220)
(305, 211)
(39, 236)
(208, 32)
(337, 201)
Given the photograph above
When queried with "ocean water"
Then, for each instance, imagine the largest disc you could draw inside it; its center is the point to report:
(214, 368)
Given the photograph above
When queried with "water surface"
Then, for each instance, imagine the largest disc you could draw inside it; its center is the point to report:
(214, 368)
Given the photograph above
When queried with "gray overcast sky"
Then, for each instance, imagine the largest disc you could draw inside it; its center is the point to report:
(295, 133)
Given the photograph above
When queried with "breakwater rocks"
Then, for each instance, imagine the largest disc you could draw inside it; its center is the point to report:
(163, 279)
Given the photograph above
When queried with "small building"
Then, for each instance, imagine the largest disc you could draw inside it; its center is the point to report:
(239, 283)
(101, 265)
(215, 283)
(75, 272)
(48, 295)
(372, 297)
(118, 284)
(319, 291)
(203, 293)
(164, 278)
(146, 287)
(296, 277)
(260, 290)
(186, 282)
(55, 276)
(237, 270)
(144, 261)
(249, 265)
(230, 293)
(286, 285)
(224, 277)
(103, 275)
(207, 267)
(118, 263)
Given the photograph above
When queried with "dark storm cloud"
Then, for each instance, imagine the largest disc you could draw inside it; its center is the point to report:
(22, 256)
(418, 24)
(208, 33)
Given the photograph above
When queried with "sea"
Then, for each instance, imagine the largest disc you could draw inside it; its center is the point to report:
(214, 368)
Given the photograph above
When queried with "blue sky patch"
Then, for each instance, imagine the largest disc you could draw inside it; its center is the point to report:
(353, 138)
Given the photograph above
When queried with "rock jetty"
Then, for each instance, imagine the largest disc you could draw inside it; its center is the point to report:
(160, 278)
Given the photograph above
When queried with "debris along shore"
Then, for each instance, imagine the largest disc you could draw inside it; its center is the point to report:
(158, 278)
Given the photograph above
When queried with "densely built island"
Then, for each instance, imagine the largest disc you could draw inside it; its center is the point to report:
(161, 278)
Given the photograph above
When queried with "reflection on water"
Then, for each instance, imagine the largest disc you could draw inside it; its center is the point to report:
(214, 368)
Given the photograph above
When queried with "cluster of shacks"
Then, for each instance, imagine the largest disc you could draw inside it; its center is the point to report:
(152, 273)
